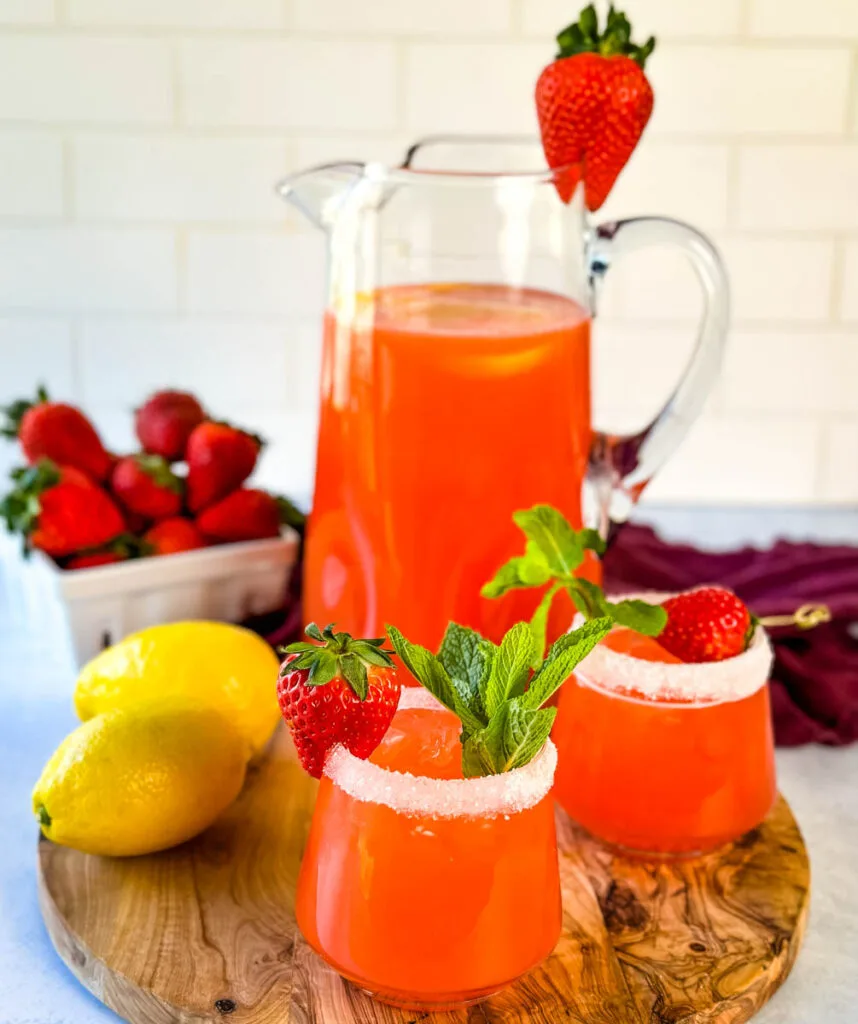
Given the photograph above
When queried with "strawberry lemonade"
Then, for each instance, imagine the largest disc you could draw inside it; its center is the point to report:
(658, 756)
(445, 407)
(428, 889)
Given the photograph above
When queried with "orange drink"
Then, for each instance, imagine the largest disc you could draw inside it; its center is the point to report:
(662, 757)
(445, 407)
(424, 888)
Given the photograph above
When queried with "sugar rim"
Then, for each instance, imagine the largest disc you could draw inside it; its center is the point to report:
(417, 796)
(704, 682)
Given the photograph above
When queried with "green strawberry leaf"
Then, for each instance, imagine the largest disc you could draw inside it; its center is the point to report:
(368, 652)
(563, 655)
(510, 668)
(467, 658)
(649, 619)
(337, 655)
(548, 530)
(429, 672)
(322, 669)
(354, 671)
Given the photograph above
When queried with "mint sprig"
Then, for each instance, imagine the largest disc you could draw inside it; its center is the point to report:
(504, 723)
(553, 551)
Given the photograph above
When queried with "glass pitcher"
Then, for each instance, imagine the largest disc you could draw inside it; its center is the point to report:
(456, 379)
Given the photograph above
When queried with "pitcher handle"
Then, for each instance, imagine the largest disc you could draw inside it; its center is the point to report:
(620, 467)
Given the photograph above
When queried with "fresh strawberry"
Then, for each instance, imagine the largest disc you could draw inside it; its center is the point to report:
(707, 624)
(94, 559)
(171, 536)
(136, 523)
(59, 510)
(593, 104)
(246, 514)
(145, 484)
(59, 432)
(220, 458)
(125, 547)
(164, 423)
(338, 690)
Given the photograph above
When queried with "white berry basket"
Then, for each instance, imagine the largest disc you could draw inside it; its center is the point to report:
(90, 609)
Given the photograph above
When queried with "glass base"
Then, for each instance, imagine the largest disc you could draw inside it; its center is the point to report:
(436, 1003)
(702, 849)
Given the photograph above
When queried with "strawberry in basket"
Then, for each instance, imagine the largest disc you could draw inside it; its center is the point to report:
(57, 431)
(60, 510)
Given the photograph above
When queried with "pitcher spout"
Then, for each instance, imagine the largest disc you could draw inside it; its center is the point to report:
(319, 191)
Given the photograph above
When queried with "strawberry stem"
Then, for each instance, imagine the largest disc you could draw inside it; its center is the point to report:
(583, 36)
(16, 411)
(338, 655)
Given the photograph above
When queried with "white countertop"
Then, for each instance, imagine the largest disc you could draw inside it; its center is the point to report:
(820, 783)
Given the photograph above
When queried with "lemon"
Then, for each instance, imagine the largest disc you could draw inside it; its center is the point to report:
(214, 664)
(140, 779)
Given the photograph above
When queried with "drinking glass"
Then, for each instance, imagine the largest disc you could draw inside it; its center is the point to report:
(423, 888)
(667, 758)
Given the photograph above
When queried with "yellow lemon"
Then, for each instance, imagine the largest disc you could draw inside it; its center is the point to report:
(140, 779)
(215, 664)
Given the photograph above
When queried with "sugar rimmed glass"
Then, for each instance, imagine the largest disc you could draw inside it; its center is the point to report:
(667, 759)
(426, 889)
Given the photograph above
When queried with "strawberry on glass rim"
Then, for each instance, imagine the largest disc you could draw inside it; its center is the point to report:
(706, 624)
(337, 690)
(593, 103)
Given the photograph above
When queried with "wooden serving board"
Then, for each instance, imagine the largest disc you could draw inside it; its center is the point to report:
(206, 932)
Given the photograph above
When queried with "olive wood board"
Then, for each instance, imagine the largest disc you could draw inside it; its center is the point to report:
(206, 932)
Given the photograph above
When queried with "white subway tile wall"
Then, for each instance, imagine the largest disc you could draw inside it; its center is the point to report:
(142, 244)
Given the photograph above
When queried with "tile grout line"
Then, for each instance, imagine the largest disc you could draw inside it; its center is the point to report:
(820, 468)
(516, 18)
(176, 87)
(180, 242)
(75, 337)
(850, 126)
(745, 20)
(838, 281)
(400, 78)
(734, 156)
(68, 180)
(63, 28)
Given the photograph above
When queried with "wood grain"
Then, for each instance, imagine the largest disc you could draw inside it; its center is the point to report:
(206, 932)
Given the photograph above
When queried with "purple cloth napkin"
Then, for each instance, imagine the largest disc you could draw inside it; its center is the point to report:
(815, 674)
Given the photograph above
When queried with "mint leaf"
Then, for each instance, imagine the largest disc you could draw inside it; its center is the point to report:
(429, 672)
(592, 540)
(510, 668)
(539, 624)
(467, 658)
(549, 531)
(649, 619)
(483, 751)
(527, 570)
(525, 732)
(563, 655)
(588, 598)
